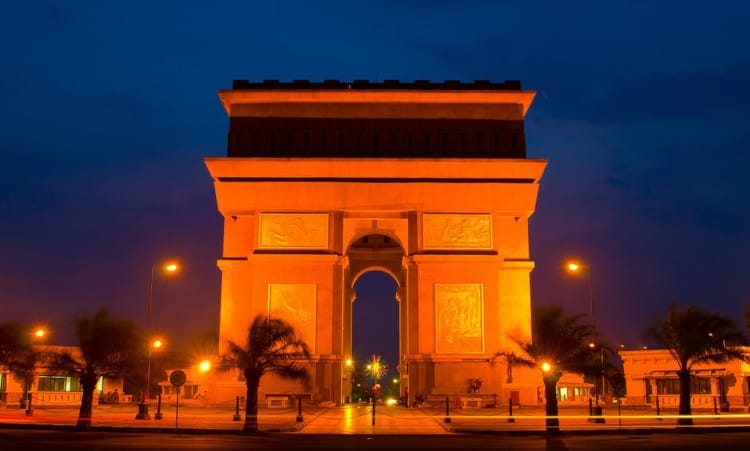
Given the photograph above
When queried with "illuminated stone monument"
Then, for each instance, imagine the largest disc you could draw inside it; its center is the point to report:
(428, 182)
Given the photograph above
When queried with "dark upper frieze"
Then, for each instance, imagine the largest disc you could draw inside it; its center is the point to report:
(447, 85)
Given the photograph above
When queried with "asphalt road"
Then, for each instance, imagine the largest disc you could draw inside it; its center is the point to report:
(24, 439)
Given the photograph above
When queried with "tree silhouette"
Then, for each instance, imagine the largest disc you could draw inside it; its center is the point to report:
(559, 344)
(693, 335)
(109, 348)
(17, 354)
(272, 347)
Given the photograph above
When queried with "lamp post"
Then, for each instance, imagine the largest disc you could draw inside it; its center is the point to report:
(38, 334)
(576, 267)
(143, 406)
(348, 374)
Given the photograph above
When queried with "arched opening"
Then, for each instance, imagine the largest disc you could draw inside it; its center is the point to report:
(374, 317)
(375, 332)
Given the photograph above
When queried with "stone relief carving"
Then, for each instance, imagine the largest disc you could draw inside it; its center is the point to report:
(295, 303)
(459, 323)
(457, 231)
(293, 230)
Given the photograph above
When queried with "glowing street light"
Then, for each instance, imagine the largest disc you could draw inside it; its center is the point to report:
(376, 368)
(167, 268)
(204, 366)
(546, 367)
(40, 332)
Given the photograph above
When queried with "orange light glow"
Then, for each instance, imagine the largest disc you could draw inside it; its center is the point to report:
(204, 366)
(171, 267)
(546, 367)
(157, 344)
(574, 266)
(40, 332)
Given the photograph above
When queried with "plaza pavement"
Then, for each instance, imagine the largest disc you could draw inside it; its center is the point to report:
(357, 419)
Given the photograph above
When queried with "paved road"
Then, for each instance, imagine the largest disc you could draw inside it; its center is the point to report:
(357, 419)
(21, 439)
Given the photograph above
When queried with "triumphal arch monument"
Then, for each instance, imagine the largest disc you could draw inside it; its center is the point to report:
(428, 182)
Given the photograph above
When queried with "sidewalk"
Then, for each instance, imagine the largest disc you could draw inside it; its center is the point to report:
(122, 416)
(357, 419)
(576, 418)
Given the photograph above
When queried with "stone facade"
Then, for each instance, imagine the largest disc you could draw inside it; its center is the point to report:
(426, 182)
(651, 374)
(50, 387)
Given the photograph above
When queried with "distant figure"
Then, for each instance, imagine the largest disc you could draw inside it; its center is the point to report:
(406, 397)
(115, 397)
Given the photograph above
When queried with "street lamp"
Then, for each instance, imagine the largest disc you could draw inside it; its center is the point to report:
(348, 375)
(575, 267)
(167, 268)
(37, 334)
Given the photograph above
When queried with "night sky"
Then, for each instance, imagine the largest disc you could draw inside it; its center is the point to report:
(108, 109)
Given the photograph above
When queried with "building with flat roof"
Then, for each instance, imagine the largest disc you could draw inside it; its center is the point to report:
(651, 375)
(426, 182)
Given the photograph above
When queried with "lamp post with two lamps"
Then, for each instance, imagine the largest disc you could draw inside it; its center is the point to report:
(575, 267)
(168, 268)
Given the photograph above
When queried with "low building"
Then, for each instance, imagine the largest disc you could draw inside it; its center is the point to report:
(651, 377)
(52, 388)
(571, 389)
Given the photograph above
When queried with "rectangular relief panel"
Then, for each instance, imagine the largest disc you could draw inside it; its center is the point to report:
(295, 303)
(456, 231)
(459, 318)
(293, 231)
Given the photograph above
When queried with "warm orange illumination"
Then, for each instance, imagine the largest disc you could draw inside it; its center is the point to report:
(40, 332)
(574, 266)
(204, 366)
(156, 344)
(592, 345)
(546, 367)
(349, 362)
(171, 267)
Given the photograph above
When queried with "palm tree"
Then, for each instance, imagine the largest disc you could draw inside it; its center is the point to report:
(17, 354)
(272, 347)
(693, 335)
(559, 344)
(109, 348)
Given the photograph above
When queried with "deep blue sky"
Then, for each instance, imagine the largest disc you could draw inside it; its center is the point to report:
(107, 110)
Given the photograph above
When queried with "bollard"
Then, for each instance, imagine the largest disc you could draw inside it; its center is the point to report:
(374, 400)
(447, 410)
(510, 411)
(591, 410)
(236, 416)
(299, 409)
(716, 410)
(29, 408)
(177, 410)
(158, 415)
(657, 408)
